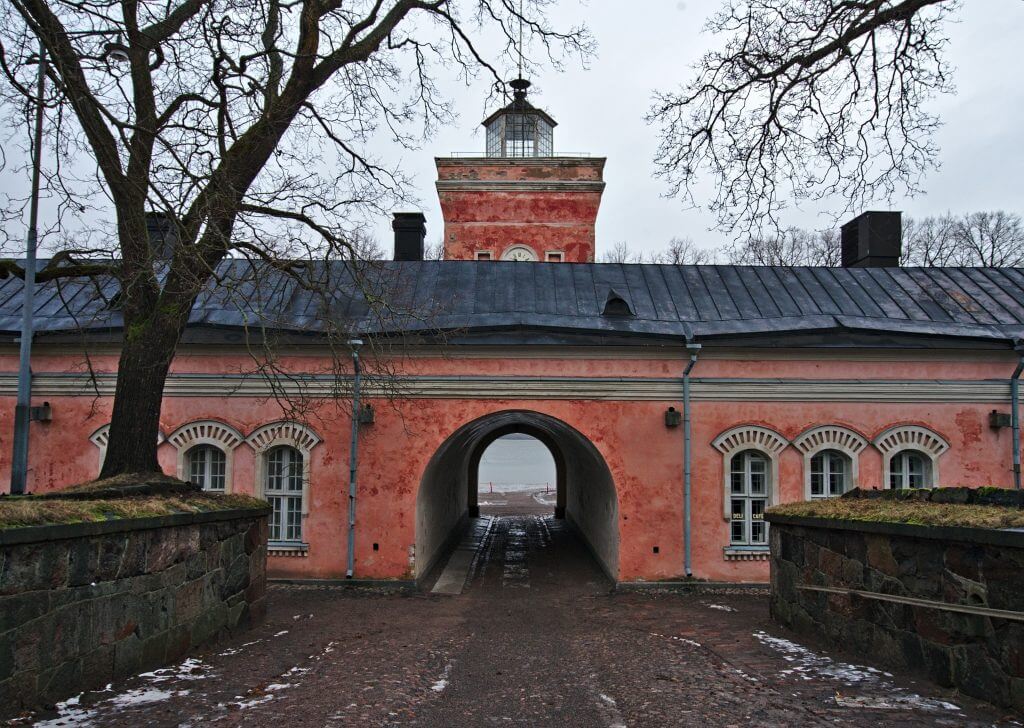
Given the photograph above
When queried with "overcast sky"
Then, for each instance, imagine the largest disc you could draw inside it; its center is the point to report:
(600, 110)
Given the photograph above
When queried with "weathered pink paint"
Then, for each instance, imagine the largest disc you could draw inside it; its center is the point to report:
(548, 204)
(643, 456)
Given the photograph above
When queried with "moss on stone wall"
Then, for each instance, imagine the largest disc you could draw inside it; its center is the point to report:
(916, 512)
(22, 511)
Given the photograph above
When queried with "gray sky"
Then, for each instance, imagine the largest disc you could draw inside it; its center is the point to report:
(600, 110)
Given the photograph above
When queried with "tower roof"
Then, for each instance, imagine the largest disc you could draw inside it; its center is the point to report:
(519, 104)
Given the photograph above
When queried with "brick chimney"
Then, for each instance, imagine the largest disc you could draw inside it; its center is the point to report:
(410, 232)
(872, 240)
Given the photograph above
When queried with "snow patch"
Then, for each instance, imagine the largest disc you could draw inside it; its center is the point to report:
(808, 665)
(720, 607)
(442, 683)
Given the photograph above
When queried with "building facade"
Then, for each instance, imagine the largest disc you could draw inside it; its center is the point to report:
(804, 383)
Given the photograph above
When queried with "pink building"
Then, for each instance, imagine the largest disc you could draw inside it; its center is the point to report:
(803, 382)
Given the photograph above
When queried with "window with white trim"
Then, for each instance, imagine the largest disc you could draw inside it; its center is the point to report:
(554, 256)
(283, 490)
(911, 454)
(830, 474)
(207, 467)
(910, 469)
(484, 255)
(749, 484)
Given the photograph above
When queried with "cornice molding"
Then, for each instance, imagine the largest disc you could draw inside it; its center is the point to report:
(489, 185)
(583, 388)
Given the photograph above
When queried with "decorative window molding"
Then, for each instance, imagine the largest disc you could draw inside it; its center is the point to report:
(749, 437)
(206, 432)
(101, 437)
(554, 256)
(484, 255)
(830, 437)
(900, 438)
(519, 252)
(284, 432)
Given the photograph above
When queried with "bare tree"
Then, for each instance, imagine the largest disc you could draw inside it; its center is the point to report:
(683, 251)
(806, 100)
(994, 239)
(621, 253)
(791, 246)
(244, 123)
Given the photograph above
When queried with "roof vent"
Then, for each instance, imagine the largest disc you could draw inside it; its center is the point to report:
(616, 305)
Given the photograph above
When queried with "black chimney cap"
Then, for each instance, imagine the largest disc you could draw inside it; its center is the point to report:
(873, 239)
(410, 233)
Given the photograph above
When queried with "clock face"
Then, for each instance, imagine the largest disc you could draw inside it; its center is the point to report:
(519, 254)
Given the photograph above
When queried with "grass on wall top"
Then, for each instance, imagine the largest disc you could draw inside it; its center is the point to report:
(123, 497)
(920, 513)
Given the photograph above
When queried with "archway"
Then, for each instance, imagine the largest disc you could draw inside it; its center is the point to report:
(447, 498)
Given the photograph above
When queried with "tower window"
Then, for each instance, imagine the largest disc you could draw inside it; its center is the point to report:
(484, 255)
(554, 256)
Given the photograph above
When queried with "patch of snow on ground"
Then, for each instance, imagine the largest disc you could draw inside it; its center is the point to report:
(720, 607)
(808, 665)
(282, 633)
(441, 684)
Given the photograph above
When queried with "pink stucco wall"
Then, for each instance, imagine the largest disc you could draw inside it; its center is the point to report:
(643, 456)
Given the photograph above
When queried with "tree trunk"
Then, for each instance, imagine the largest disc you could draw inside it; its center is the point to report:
(142, 370)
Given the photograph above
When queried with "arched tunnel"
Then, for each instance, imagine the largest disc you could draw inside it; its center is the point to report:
(447, 497)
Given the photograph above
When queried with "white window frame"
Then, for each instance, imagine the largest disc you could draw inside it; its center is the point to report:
(748, 496)
(292, 434)
(898, 438)
(559, 259)
(208, 451)
(287, 493)
(206, 432)
(904, 456)
(768, 443)
(830, 437)
(489, 253)
(101, 437)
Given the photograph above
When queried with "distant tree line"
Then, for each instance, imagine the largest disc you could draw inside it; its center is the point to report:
(993, 239)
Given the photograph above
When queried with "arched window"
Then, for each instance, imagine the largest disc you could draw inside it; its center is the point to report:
(749, 486)
(911, 456)
(101, 437)
(285, 479)
(910, 469)
(206, 449)
(207, 467)
(831, 458)
(751, 468)
(282, 477)
(830, 474)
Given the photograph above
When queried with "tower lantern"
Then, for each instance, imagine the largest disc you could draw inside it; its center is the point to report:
(519, 129)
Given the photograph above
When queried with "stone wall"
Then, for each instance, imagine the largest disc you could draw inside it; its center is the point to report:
(981, 655)
(84, 604)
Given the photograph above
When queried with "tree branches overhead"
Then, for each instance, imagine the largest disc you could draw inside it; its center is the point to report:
(807, 99)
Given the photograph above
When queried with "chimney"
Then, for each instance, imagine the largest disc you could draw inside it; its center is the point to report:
(872, 240)
(410, 231)
(162, 234)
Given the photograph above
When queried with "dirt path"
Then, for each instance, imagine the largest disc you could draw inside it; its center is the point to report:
(536, 639)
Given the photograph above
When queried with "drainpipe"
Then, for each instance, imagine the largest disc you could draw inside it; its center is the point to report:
(1015, 412)
(22, 408)
(353, 457)
(687, 559)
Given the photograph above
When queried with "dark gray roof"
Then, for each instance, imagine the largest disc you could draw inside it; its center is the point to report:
(667, 301)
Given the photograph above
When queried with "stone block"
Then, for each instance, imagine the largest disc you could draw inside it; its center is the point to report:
(236, 577)
(951, 495)
(133, 559)
(17, 609)
(98, 666)
(879, 555)
(53, 685)
(154, 649)
(977, 674)
(1017, 693)
(128, 656)
(938, 662)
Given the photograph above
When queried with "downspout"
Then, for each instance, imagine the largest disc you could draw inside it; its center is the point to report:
(353, 457)
(1015, 412)
(693, 349)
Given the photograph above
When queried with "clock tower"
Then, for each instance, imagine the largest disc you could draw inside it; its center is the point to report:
(520, 200)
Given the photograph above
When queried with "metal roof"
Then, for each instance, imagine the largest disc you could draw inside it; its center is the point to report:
(724, 301)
